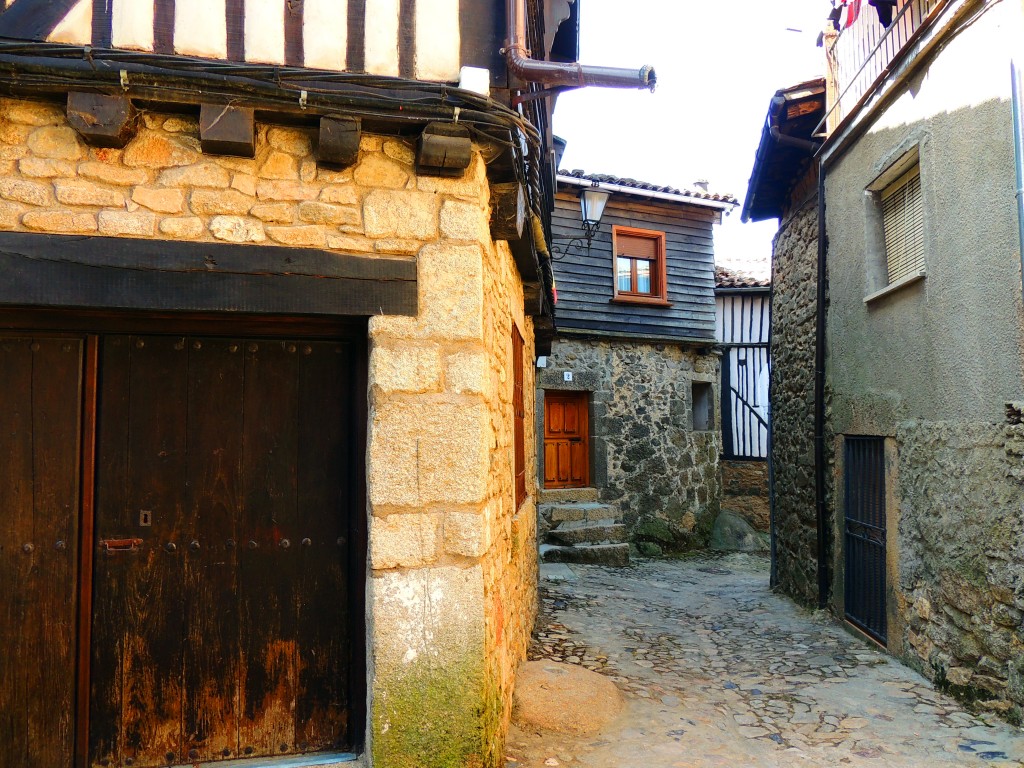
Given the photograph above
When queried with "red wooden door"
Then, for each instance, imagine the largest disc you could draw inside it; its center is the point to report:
(223, 622)
(566, 440)
(41, 391)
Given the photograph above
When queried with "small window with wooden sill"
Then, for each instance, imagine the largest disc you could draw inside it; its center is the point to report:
(639, 266)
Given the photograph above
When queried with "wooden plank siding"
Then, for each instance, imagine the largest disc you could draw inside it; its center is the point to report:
(585, 280)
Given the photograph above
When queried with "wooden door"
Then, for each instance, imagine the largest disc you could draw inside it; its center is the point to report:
(566, 440)
(224, 621)
(41, 391)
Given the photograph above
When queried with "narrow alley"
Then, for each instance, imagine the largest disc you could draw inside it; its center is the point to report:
(716, 670)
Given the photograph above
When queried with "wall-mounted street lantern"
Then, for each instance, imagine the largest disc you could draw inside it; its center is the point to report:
(592, 202)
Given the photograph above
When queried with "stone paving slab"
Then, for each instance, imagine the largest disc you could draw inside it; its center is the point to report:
(719, 671)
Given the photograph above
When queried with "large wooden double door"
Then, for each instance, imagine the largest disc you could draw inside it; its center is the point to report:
(177, 549)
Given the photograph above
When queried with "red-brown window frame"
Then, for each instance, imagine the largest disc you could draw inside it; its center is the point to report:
(519, 416)
(659, 282)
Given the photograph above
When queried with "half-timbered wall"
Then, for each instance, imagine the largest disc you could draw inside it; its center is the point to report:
(741, 327)
(585, 278)
(417, 39)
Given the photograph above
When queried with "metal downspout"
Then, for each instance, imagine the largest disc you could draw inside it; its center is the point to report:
(565, 74)
(1018, 155)
(819, 400)
(780, 138)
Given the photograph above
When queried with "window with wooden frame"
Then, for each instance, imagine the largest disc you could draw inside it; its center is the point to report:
(639, 266)
(519, 416)
(903, 226)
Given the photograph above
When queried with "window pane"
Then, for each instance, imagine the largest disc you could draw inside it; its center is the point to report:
(643, 276)
(625, 281)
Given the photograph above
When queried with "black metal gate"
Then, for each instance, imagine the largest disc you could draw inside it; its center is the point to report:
(864, 535)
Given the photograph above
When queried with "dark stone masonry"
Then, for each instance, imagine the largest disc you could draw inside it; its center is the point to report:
(645, 456)
(794, 273)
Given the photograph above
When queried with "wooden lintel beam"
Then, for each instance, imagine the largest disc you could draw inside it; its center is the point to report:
(102, 120)
(227, 130)
(42, 270)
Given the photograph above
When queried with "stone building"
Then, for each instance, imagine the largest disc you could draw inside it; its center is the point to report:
(784, 186)
(919, 335)
(273, 283)
(627, 412)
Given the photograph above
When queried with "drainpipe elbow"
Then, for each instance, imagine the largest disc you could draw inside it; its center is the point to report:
(576, 75)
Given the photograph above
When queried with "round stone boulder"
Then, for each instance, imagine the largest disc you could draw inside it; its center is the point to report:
(564, 698)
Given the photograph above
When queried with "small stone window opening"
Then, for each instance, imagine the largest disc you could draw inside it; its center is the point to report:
(639, 266)
(703, 407)
(519, 415)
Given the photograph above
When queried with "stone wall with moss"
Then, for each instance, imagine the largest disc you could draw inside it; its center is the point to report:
(960, 593)
(646, 457)
(453, 562)
(510, 564)
(452, 579)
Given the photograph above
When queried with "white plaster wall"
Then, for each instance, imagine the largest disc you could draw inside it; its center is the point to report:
(325, 34)
(132, 25)
(264, 31)
(200, 28)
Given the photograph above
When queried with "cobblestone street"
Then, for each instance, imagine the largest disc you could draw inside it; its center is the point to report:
(719, 671)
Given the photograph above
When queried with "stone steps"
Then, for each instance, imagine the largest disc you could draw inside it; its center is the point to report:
(607, 533)
(567, 495)
(582, 531)
(567, 513)
(591, 554)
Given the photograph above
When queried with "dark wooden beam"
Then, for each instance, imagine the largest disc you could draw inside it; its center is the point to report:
(158, 275)
(227, 130)
(526, 258)
(163, 26)
(445, 150)
(294, 50)
(33, 19)
(508, 211)
(103, 121)
(234, 17)
(338, 145)
(533, 298)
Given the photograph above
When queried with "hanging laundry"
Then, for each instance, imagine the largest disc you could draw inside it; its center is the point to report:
(852, 11)
(885, 9)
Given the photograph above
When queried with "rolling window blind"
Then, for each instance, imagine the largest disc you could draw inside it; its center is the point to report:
(634, 247)
(903, 223)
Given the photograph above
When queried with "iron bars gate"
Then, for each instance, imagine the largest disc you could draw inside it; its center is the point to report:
(864, 534)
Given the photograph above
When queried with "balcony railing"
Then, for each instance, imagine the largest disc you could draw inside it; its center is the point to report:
(862, 53)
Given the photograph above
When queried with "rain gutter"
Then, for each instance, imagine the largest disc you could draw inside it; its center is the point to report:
(722, 205)
(819, 399)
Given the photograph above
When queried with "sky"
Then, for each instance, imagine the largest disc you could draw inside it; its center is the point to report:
(718, 62)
